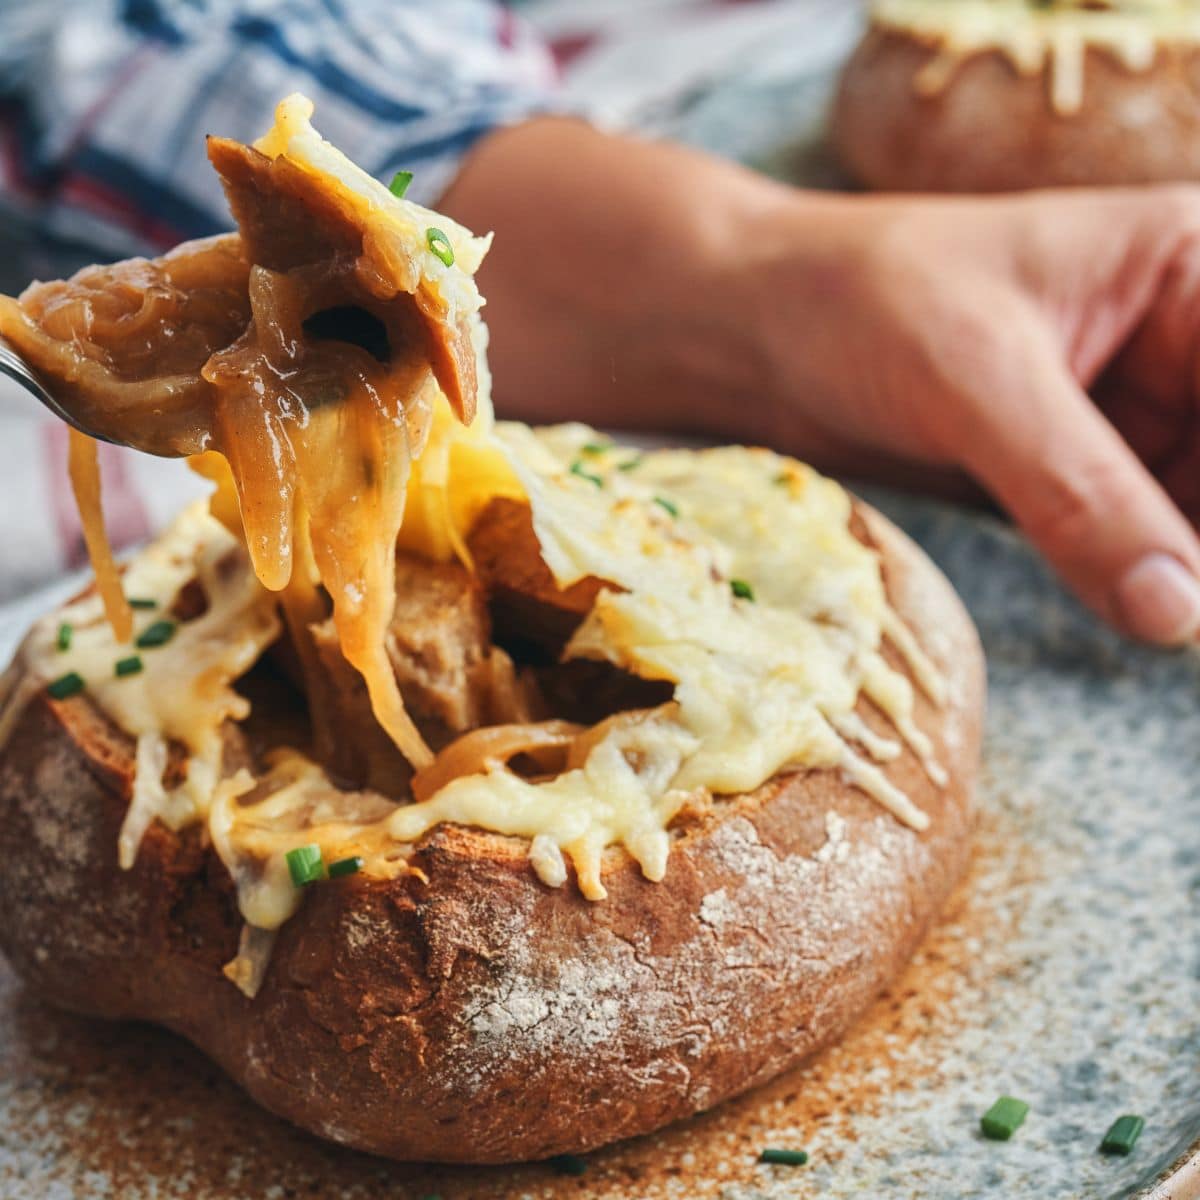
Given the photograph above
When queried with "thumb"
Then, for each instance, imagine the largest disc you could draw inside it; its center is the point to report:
(1086, 500)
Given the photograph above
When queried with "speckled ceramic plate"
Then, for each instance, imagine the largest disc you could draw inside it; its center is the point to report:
(1066, 972)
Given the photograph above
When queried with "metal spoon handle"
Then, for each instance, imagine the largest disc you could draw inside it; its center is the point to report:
(17, 369)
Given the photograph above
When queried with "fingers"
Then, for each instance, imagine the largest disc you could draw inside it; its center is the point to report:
(1086, 500)
(1117, 267)
(1118, 275)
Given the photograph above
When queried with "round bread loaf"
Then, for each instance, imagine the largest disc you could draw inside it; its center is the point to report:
(990, 127)
(482, 1016)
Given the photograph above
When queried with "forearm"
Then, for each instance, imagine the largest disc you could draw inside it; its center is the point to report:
(604, 277)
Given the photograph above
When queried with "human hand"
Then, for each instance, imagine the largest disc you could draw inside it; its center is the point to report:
(965, 334)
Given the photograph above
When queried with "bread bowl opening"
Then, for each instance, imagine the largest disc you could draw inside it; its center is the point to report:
(458, 681)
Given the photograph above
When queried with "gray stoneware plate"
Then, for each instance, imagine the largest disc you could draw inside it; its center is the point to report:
(1066, 972)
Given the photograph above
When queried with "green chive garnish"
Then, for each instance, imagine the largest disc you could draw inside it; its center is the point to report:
(142, 602)
(663, 502)
(595, 448)
(741, 589)
(782, 478)
(1003, 1119)
(439, 243)
(569, 1164)
(304, 865)
(127, 666)
(785, 1158)
(577, 468)
(345, 866)
(63, 640)
(631, 463)
(1122, 1135)
(158, 634)
(399, 184)
(70, 684)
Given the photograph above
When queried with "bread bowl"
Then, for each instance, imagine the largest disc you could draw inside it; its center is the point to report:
(1001, 95)
(683, 773)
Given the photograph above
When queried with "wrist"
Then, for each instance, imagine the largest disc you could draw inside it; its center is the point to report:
(788, 282)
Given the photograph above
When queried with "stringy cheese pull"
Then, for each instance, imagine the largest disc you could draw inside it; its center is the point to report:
(307, 354)
(322, 462)
(83, 464)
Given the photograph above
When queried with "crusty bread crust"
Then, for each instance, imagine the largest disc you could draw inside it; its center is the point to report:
(484, 1017)
(992, 129)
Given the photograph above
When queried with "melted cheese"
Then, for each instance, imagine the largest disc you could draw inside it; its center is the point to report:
(391, 219)
(1036, 37)
(761, 687)
(184, 692)
(84, 469)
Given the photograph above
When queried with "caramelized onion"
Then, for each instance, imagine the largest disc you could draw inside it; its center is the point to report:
(583, 745)
(512, 698)
(484, 750)
(122, 345)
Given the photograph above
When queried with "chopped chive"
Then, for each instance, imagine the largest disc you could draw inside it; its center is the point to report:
(631, 464)
(741, 589)
(569, 1164)
(399, 184)
(670, 507)
(782, 478)
(439, 243)
(577, 468)
(65, 633)
(142, 602)
(784, 1158)
(1003, 1119)
(594, 448)
(70, 684)
(304, 864)
(1122, 1134)
(158, 634)
(128, 666)
(345, 866)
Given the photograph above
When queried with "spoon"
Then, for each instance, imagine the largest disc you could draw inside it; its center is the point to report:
(16, 368)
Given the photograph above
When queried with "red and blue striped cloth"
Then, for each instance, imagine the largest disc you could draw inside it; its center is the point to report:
(106, 102)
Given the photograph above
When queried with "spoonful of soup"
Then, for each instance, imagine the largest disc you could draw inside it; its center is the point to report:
(300, 357)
